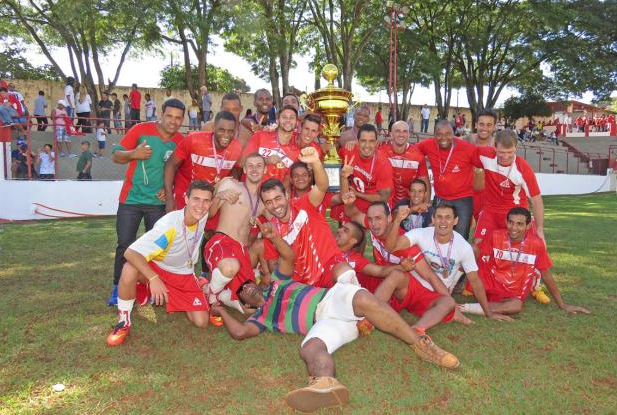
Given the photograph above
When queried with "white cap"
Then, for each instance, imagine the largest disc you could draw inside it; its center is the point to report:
(61, 102)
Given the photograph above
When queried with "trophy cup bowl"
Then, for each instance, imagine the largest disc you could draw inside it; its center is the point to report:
(331, 103)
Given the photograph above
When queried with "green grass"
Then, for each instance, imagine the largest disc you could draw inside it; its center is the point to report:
(55, 277)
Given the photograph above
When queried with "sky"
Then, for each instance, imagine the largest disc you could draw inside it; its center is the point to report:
(145, 71)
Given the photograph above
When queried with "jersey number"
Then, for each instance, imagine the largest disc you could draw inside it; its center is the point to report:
(359, 184)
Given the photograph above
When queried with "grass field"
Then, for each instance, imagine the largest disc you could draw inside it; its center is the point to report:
(55, 277)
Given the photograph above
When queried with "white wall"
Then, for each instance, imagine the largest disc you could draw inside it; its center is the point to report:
(21, 199)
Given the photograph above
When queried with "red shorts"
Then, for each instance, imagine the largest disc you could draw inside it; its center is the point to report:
(417, 300)
(183, 292)
(488, 221)
(369, 282)
(496, 291)
(221, 246)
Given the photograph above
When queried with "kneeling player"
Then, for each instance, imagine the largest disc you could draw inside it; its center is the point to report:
(507, 266)
(163, 259)
(327, 317)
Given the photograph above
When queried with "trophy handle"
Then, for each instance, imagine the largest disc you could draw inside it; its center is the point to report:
(356, 103)
(307, 102)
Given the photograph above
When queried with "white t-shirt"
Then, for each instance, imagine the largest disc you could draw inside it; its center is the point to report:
(85, 105)
(68, 90)
(150, 108)
(47, 166)
(461, 254)
(100, 134)
(169, 242)
(426, 113)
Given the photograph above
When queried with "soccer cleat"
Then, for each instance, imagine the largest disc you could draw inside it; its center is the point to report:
(118, 334)
(430, 352)
(540, 296)
(113, 300)
(216, 321)
(365, 327)
(321, 392)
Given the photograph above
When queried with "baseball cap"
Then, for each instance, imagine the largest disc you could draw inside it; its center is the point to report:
(61, 102)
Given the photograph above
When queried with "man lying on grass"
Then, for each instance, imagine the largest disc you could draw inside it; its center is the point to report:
(161, 263)
(509, 260)
(327, 318)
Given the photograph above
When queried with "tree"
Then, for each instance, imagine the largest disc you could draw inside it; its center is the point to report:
(266, 34)
(528, 105)
(219, 79)
(345, 28)
(190, 24)
(89, 31)
(13, 65)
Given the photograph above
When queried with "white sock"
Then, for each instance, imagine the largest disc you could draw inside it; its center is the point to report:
(472, 308)
(124, 311)
(217, 284)
(225, 297)
(348, 277)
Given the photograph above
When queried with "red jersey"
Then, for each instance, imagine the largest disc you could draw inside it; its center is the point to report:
(406, 167)
(309, 235)
(513, 264)
(369, 174)
(202, 161)
(135, 99)
(452, 168)
(267, 144)
(353, 258)
(384, 257)
(325, 204)
(506, 187)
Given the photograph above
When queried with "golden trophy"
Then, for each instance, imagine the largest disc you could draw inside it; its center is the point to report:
(331, 103)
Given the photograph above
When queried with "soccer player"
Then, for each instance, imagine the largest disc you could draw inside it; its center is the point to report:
(445, 250)
(226, 253)
(484, 137)
(263, 105)
(301, 223)
(452, 163)
(361, 116)
(420, 212)
(509, 260)
(327, 318)
(231, 102)
(309, 131)
(163, 259)
(301, 182)
(208, 156)
(277, 147)
(370, 177)
(407, 163)
(145, 148)
(431, 306)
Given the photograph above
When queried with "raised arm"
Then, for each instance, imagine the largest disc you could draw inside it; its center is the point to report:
(394, 241)
(352, 212)
(310, 156)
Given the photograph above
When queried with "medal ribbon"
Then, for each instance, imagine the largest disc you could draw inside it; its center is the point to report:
(191, 249)
(253, 206)
(442, 171)
(218, 165)
(445, 261)
(513, 261)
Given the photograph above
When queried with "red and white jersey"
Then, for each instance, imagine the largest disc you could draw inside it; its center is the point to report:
(452, 168)
(506, 186)
(309, 235)
(353, 258)
(370, 175)
(267, 144)
(406, 167)
(384, 257)
(325, 204)
(202, 161)
(513, 264)
(13, 102)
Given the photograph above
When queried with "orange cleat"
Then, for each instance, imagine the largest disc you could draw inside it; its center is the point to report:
(216, 321)
(119, 333)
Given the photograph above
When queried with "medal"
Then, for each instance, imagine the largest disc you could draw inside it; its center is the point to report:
(191, 249)
(280, 165)
(217, 179)
(254, 206)
(445, 261)
(253, 220)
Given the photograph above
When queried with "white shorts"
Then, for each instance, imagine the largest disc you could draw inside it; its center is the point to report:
(335, 320)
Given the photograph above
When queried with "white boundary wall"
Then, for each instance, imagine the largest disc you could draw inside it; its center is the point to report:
(28, 200)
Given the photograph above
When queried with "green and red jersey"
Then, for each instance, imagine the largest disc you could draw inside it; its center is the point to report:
(144, 178)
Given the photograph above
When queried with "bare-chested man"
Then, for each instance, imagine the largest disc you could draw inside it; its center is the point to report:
(231, 102)
(226, 253)
(361, 117)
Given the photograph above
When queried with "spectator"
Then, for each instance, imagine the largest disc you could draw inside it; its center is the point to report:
(117, 113)
(150, 108)
(83, 109)
(410, 123)
(127, 111)
(59, 117)
(105, 106)
(20, 99)
(69, 97)
(84, 164)
(46, 161)
(101, 138)
(206, 104)
(19, 162)
(135, 102)
(378, 119)
(425, 113)
(194, 116)
(272, 114)
(9, 111)
(168, 95)
(40, 105)
(249, 113)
